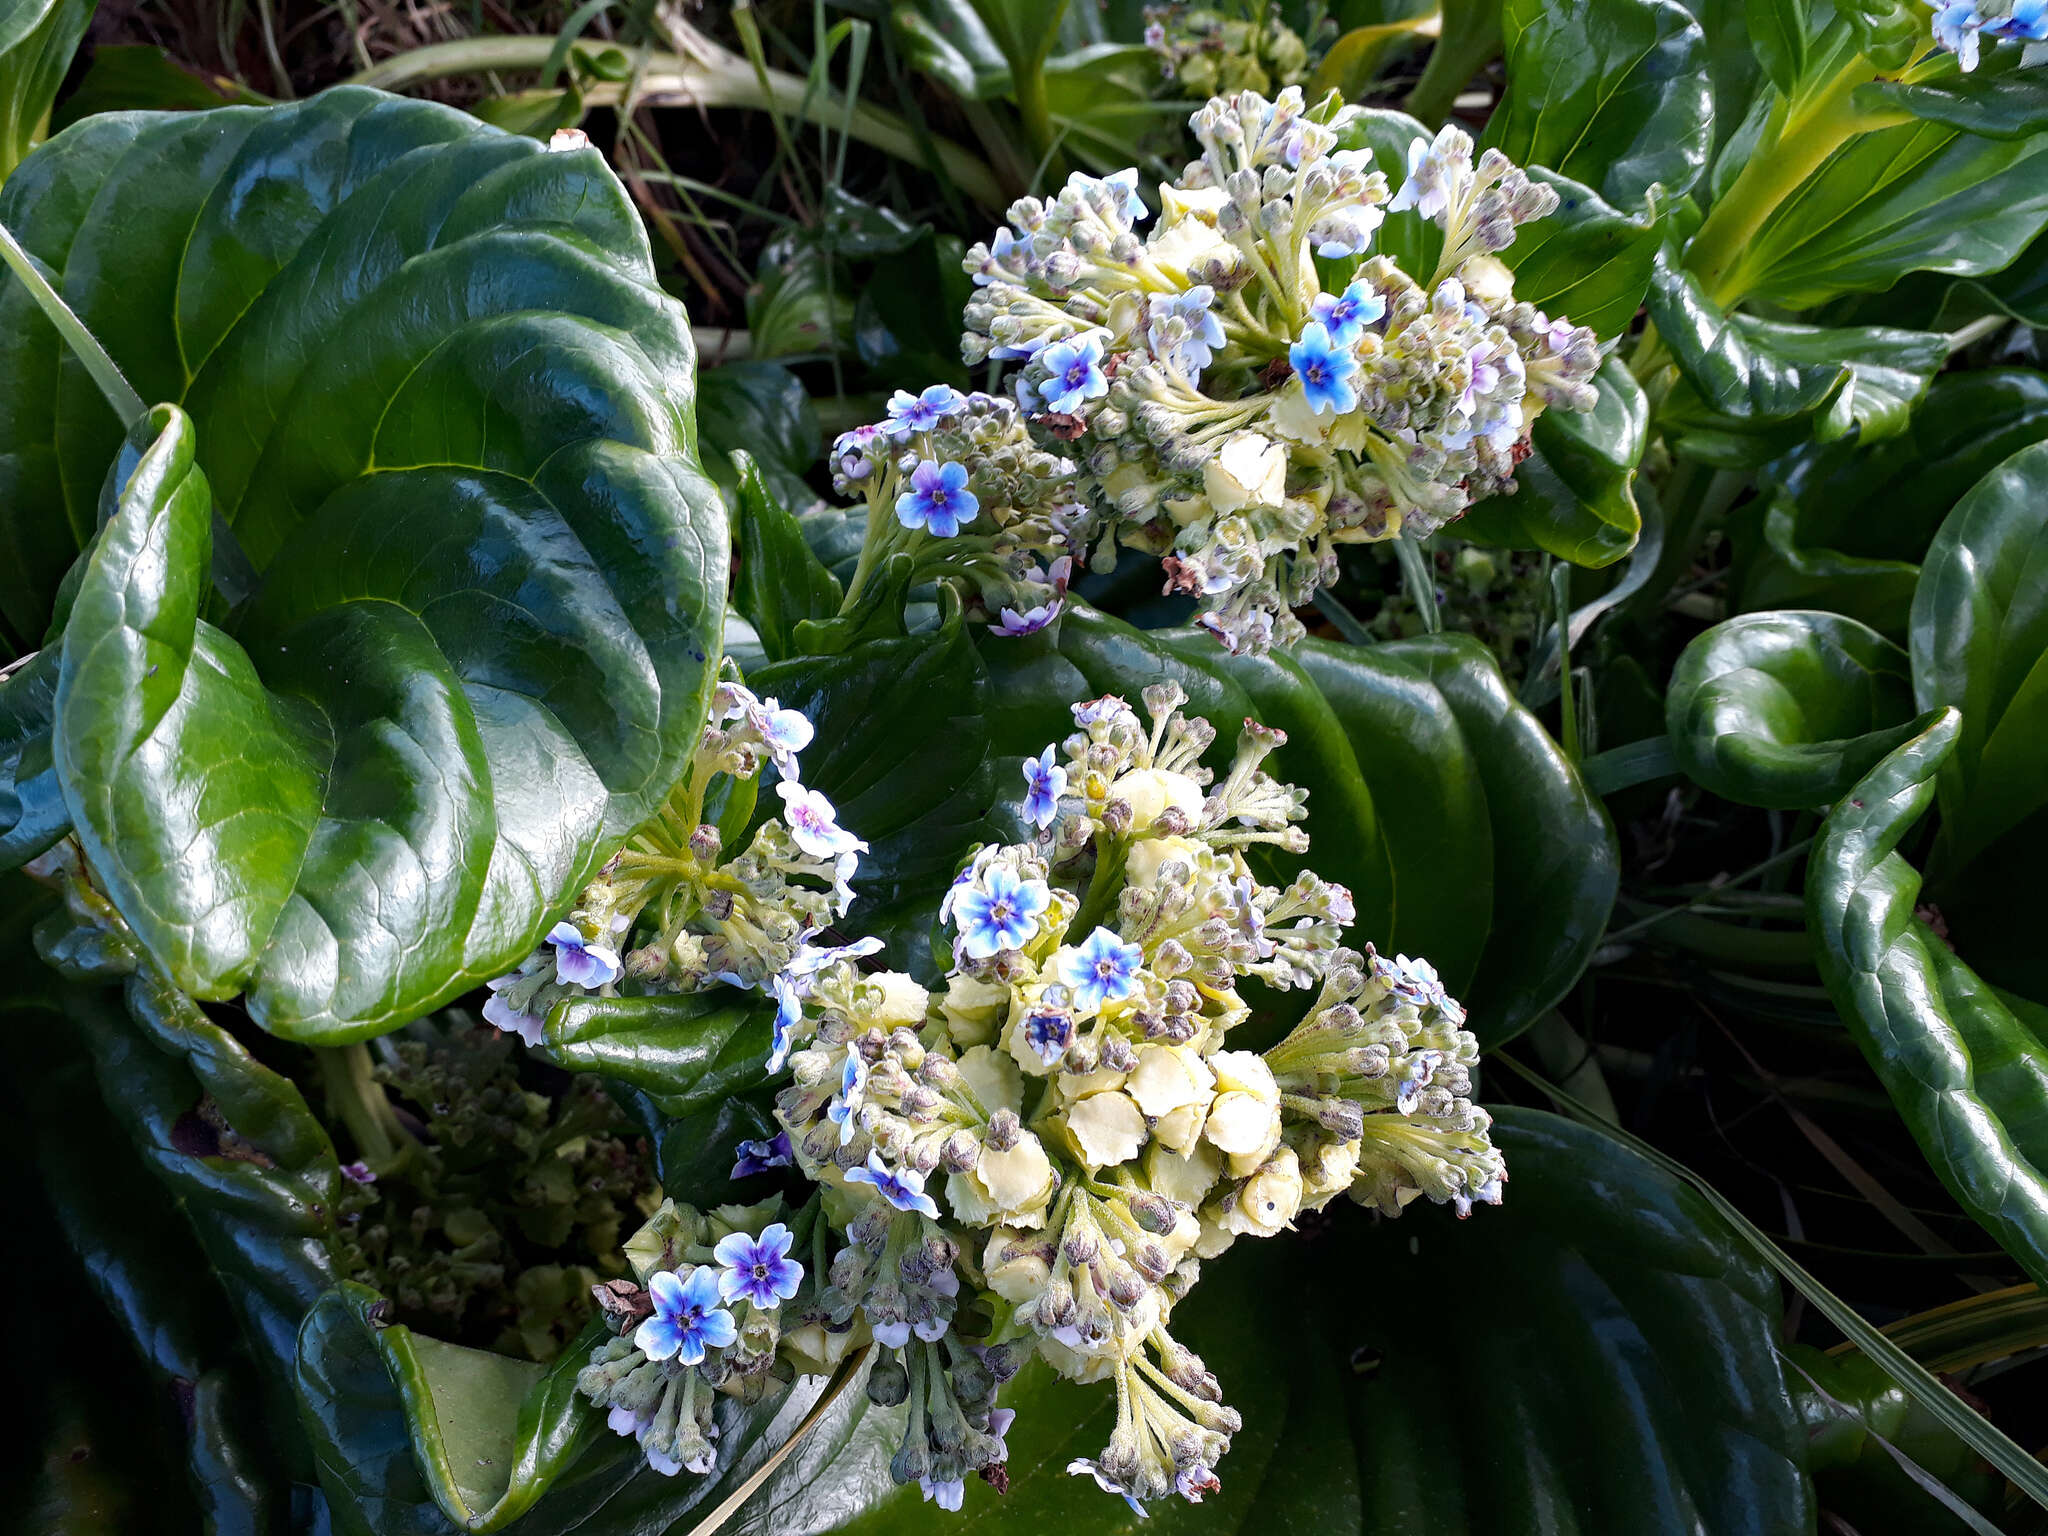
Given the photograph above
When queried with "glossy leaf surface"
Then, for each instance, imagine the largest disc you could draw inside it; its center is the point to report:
(427, 729)
(1970, 1079)
(1787, 709)
(1589, 260)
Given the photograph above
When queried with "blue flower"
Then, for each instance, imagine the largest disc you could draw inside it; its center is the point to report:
(582, 962)
(910, 413)
(938, 500)
(1001, 913)
(760, 1269)
(687, 1318)
(1105, 1482)
(814, 824)
(1424, 189)
(1345, 316)
(946, 1493)
(1126, 182)
(1073, 373)
(1102, 970)
(760, 1156)
(789, 1010)
(1325, 370)
(1044, 782)
(1049, 1031)
(1199, 334)
(529, 1027)
(997, 264)
(844, 1110)
(904, 1189)
(1346, 231)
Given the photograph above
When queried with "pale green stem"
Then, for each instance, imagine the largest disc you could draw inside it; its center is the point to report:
(720, 80)
(120, 393)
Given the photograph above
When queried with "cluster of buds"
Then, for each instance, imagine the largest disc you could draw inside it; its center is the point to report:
(1036, 1159)
(674, 910)
(718, 1304)
(1230, 412)
(958, 482)
(1207, 52)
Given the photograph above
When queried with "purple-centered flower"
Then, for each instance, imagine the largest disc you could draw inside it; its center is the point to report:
(1103, 970)
(1346, 315)
(844, 1110)
(902, 1188)
(855, 453)
(1030, 622)
(582, 962)
(785, 732)
(1105, 1482)
(1485, 380)
(1192, 1482)
(1049, 1031)
(1325, 370)
(758, 1269)
(527, 1026)
(1044, 782)
(947, 1494)
(1074, 373)
(1000, 913)
(814, 824)
(938, 500)
(687, 1318)
(910, 413)
(358, 1172)
(760, 1156)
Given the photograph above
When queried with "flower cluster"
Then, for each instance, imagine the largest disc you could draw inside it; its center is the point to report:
(1234, 413)
(721, 1306)
(702, 916)
(1207, 52)
(957, 481)
(1036, 1159)
(1961, 25)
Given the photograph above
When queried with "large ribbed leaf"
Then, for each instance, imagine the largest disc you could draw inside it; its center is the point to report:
(428, 380)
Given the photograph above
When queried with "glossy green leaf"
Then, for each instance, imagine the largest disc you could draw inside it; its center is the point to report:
(32, 811)
(1980, 644)
(1587, 261)
(1755, 372)
(1998, 100)
(780, 582)
(1815, 544)
(685, 1051)
(139, 77)
(37, 38)
(1917, 197)
(1575, 493)
(1777, 30)
(760, 409)
(439, 723)
(1787, 709)
(1734, 69)
(1612, 93)
(1654, 1403)
(1969, 1079)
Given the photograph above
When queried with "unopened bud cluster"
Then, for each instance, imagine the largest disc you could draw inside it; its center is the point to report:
(1207, 52)
(1230, 412)
(1037, 1158)
(676, 910)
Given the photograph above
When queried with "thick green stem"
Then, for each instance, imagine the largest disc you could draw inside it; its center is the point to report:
(354, 1093)
(724, 80)
(120, 393)
(1796, 142)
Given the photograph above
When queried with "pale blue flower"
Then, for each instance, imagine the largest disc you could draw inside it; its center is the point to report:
(909, 414)
(1424, 189)
(1044, 782)
(814, 824)
(1105, 1482)
(582, 962)
(1000, 913)
(530, 1027)
(947, 1494)
(687, 1318)
(1191, 345)
(1347, 231)
(1126, 182)
(758, 1269)
(998, 261)
(1073, 373)
(1325, 370)
(844, 1110)
(1103, 970)
(1345, 316)
(902, 1188)
(938, 500)
(789, 1011)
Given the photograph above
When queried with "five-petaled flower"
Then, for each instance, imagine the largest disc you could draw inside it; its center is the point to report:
(1001, 913)
(814, 824)
(1325, 370)
(687, 1317)
(902, 1188)
(1044, 782)
(1346, 315)
(1073, 373)
(758, 1269)
(910, 413)
(1102, 970)
(938, 500)
(582, 962)
(1049, 1031)
(760, 1156)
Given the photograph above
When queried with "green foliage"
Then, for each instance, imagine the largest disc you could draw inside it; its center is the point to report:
(36, 41)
